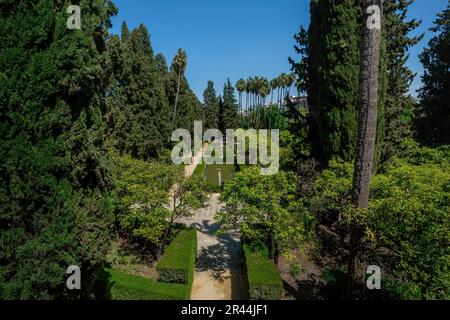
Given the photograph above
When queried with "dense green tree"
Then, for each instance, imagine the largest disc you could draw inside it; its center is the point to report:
(54, 172)
(211, 107)
(139, 111)
(405, 236)
(334, 52)
(434, 116)
(397, 109)
(141, 200)
(327, 72)
(266, 210)
(125, 32)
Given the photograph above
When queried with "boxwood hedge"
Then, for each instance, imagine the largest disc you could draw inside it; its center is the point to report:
(116, 285)
(263, 278)
(178, 262)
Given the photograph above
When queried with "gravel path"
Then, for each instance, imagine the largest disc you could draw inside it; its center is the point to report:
(219, 271)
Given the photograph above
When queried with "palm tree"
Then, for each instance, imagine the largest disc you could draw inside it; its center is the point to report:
(240, 86)
(273, 86)
(247, 96)
(367, 130)
(264, 92)
(179, 64)
(284, 81)
(290, 82)
(251, 90)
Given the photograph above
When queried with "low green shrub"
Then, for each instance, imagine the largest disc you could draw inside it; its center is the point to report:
(115, 285)
(263, 278)
(178, 262)
(408, 216)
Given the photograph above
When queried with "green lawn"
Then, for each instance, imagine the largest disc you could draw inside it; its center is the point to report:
(228, 172)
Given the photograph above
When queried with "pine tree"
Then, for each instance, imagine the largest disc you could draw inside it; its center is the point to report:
(211, 107)
(434, 118)
(54, 175)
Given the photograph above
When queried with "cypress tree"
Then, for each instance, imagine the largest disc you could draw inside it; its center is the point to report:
(397, 105)
(211, 107)
(328, 72)
(54, 175)
(334, 69)
(229, 110)
(125, 32)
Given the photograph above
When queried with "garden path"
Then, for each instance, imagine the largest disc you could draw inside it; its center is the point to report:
(219, 272)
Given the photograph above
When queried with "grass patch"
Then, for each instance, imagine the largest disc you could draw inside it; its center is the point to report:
(209, 172)
(228, 172)
(264, 281)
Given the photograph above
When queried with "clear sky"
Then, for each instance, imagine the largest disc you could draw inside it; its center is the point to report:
(238, 38)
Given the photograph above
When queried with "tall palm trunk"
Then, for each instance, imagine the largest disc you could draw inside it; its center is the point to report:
(246, 108)
(241, 109)
(367, 128)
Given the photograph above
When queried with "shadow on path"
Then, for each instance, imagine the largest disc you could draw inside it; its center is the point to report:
(221, 255)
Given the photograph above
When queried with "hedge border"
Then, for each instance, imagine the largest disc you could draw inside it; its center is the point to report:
(117, 285)
(178, 262)
(264, 280)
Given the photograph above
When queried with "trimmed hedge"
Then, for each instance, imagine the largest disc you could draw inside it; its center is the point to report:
(123, 286)
(263, 278)
(178, 262)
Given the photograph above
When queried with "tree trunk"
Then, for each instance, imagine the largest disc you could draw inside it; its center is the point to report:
(116, 224)
(164, 239)
(368, 108)
(240, 106)
(367, 126)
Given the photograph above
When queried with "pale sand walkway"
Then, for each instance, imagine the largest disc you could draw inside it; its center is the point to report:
(219, 270)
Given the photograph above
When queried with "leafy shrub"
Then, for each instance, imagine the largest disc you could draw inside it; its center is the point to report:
(263, 278)
(417, 155)
(115, 285)
(270, 202)
(178, 262)
(140, 197)
(409, 215)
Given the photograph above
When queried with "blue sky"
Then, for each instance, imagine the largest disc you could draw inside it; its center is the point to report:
(239, 38)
